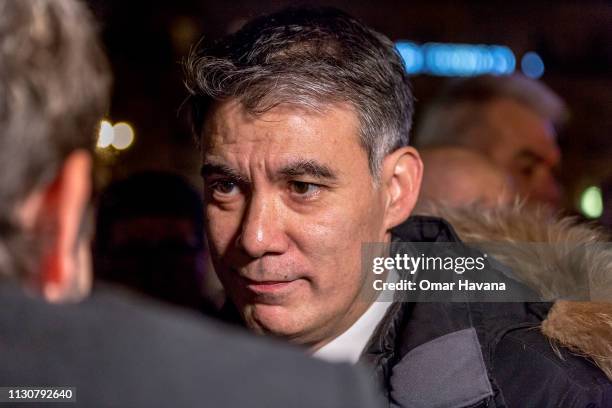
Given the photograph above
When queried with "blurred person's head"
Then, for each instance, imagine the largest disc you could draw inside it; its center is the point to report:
(150, 238)
(511, 120)
(458, 177)
(54, 86)
(302, 118)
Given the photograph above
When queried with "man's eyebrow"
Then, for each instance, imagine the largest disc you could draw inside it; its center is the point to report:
(211, 168)
(309, 168)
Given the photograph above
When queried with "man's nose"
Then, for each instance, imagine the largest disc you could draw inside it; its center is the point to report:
(262, 229)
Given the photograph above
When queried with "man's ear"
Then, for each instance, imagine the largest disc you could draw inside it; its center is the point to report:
(402, 171)
(55, 214)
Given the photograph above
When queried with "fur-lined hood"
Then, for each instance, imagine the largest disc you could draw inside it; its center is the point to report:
(553, 270)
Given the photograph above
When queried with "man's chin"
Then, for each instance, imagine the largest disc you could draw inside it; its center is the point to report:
(272, 319)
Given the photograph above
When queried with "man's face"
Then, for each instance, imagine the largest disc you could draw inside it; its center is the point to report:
(524, 145)
(289, 200)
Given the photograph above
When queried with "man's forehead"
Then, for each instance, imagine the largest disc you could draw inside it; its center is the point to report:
(522, 127)
(229, 122)
(282, 135)
(513, 113)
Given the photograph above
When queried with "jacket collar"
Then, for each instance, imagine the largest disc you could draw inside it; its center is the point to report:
(420, 228)
(408, 326)
(383, 350)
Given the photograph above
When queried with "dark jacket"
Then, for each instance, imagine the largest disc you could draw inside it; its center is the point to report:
(121, 351)
(470, 354)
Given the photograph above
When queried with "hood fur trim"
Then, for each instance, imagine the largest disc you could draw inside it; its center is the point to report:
(553, 270)
(575, 264)
(583, 327)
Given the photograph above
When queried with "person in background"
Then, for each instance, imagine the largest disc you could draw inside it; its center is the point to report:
(509, 119)
(150, 237)
(456, 176)
(112, 349)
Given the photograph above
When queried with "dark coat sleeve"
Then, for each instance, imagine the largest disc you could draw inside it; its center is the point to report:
(531, 373)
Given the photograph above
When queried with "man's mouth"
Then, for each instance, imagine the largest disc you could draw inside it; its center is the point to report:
(269, 286)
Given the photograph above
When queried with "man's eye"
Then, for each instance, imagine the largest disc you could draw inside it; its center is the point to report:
(303, 188)
(225, 187)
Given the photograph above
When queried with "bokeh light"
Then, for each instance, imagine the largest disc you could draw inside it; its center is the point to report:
(591, 202)
(442, 59)
(123, 135)
(532, 65)
(105, 135)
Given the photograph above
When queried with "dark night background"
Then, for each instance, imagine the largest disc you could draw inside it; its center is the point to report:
(146, 42)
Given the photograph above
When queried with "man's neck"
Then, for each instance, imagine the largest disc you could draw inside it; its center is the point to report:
(362, 303)
(343, 325)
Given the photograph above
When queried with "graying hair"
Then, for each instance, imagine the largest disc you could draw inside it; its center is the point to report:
(457, 110)
(54, 88)
(310, 58)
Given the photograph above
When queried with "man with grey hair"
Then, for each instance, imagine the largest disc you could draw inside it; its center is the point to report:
(511, 120)
(302, 118)
(111, 349)
(454, 176)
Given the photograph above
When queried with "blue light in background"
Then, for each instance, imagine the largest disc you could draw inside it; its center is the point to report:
(412, 56)
(456, 59)
(532, 65)
(504, 61)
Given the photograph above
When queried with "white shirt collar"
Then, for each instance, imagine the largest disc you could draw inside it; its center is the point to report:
(348, 346)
